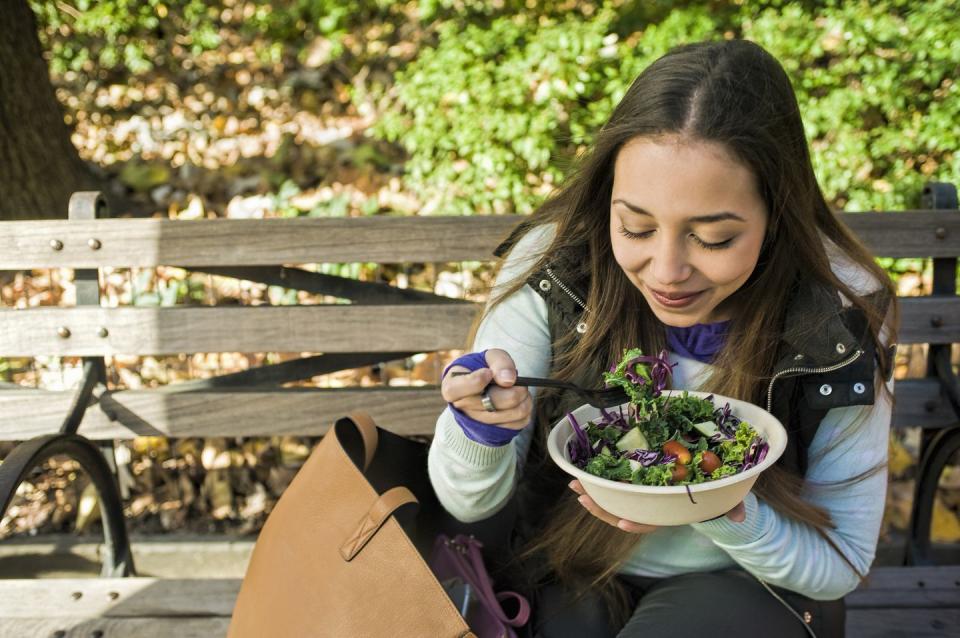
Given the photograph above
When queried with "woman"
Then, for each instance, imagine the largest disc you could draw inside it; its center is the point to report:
(695, 223)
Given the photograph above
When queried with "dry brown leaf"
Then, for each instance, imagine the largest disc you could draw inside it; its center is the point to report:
(900, 458)
(215, 455)
(293, 452)
(279, 478)
(217, 489)
(945, 527)
(899, 502)
(188, 493)
(88, 509)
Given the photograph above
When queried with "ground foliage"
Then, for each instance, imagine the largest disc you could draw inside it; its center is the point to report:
(253, 109)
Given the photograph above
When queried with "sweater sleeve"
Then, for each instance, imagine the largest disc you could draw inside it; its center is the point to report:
(472, 481)
(784, 552)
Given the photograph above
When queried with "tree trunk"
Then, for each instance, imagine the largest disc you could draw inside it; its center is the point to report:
(39, 166)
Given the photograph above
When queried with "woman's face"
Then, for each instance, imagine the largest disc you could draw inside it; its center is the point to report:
(686, 224)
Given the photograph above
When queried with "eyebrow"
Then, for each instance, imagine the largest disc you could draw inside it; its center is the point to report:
(699, 219)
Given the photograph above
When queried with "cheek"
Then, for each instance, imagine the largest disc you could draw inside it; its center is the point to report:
(622, 253)
(733, 268)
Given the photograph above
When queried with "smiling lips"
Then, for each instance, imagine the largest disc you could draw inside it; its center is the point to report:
(675, 299)
(675, 296)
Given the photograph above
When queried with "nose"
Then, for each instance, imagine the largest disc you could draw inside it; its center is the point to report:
(669, 263)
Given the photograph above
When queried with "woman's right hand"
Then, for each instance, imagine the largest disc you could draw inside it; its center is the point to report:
(514, 403)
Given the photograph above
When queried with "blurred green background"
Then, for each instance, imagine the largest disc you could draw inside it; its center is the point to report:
(515, 88)
(466, 107)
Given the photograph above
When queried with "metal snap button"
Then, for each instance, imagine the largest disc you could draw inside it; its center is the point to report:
(582, 327)
(826, 389)
(544, 285)
(807, 617)
(859, 388)
(799, 357)
(841, 348)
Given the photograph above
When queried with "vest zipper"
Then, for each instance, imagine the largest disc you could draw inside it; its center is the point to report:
(564, 288)
(856, 355)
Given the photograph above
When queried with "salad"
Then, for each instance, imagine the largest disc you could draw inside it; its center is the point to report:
(660, 439)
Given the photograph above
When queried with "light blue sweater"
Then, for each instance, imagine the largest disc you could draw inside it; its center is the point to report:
(473, 481)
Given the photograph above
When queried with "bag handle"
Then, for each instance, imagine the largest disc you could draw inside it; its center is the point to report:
(374, 519)
(367, 428)
(483, 581)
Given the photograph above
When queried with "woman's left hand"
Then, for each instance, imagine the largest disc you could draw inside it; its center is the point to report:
(738, 514)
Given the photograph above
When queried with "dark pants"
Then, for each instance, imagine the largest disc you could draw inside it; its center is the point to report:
(729, 602)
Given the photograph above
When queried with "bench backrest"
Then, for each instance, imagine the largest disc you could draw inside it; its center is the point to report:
(381, 323)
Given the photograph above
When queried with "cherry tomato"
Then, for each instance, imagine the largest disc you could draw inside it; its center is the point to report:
(676, 448)
(680, 473)
(709, 462)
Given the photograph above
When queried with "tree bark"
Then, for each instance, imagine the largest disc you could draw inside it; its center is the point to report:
(39, 166)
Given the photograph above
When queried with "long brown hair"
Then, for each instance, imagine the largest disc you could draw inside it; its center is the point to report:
(735, 94)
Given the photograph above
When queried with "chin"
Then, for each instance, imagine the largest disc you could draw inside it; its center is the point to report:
(680, 320)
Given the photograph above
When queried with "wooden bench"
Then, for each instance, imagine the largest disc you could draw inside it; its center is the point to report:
(381, 323)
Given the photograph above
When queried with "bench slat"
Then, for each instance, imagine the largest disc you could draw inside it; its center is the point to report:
(320, 328)
(265, 242)
(253, 242)
(116, 627)
(136, 597)
(900, 578)
(307, 411)
(913, 397)
(929, 319)
(227, 412)
(902, 623)
(914, 587)
(170, 602)
(911, 233)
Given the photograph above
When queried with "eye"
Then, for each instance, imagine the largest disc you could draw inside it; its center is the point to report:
(632, 235)
(715, 246)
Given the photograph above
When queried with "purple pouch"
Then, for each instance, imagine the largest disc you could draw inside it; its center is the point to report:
(459, 558)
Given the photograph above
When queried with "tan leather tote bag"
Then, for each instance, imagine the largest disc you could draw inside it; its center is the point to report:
(332, 560)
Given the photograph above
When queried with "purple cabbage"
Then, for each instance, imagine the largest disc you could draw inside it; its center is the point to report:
(644, 457)
(756, 452)
(660, 371)
(579, 446)
(618, 420)
(726, 422)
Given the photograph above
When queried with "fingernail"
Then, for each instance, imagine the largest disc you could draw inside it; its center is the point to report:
(506, 375)
(570, 484)
(582, 500)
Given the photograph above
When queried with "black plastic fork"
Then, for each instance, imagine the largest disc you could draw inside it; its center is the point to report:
(606, 398)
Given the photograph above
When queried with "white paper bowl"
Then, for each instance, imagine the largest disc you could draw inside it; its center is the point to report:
(671, 505)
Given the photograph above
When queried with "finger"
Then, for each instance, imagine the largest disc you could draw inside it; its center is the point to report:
(515, 418)
(455, 388)
(503, 399)
(615, 521)
(504, 369)
(738, 514)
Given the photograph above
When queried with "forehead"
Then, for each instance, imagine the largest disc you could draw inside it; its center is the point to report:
(674, 179)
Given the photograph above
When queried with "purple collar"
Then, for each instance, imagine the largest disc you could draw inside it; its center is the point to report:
(701, 341)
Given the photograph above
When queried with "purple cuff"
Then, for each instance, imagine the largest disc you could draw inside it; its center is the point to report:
(483, 433)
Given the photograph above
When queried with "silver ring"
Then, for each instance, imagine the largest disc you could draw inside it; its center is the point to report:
(487, 403)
